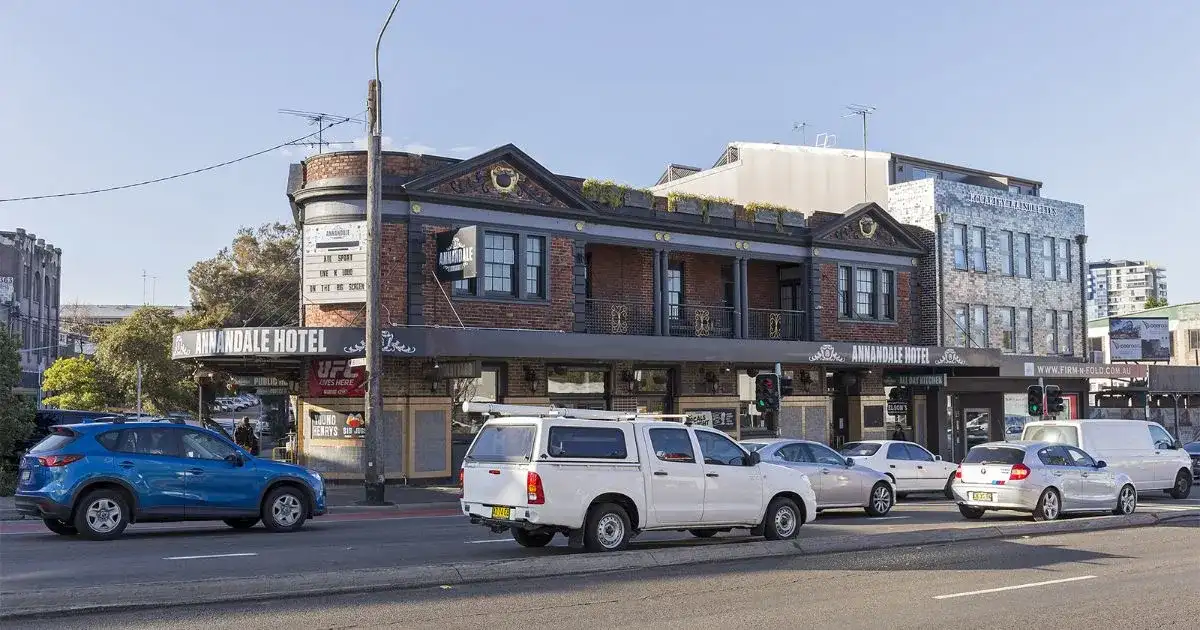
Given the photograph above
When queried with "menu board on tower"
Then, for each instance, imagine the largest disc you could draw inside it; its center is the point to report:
(335, 263)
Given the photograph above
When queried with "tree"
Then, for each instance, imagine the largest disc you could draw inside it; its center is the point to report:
(145, 338)
(16, 414)
(78, 383)
(253, 282)
(1155, 302)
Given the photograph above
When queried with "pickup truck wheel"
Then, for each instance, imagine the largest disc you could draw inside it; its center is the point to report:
(532, 539)
(607, 528)
(703, 533)
(783, 519)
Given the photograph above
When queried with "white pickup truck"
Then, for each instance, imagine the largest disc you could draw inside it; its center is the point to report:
(601, 477)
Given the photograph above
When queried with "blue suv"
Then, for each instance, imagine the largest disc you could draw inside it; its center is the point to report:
(95, 479)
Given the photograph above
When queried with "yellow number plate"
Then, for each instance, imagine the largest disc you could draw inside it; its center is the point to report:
(981, 496)
(502, 512)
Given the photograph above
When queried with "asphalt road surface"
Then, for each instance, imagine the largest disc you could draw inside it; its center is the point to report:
(33, 560)
(1133, 579)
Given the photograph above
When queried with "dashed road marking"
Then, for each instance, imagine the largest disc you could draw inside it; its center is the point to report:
(1015, 587)
(215, 555)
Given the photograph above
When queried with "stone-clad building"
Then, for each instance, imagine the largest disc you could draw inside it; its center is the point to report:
(30, 286)
(587, 294)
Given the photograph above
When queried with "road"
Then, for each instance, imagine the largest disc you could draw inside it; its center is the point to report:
(35, 560)
(1133, 579)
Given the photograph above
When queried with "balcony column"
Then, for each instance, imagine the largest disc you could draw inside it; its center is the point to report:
(743, 291)
(739, 304)
(660, 291)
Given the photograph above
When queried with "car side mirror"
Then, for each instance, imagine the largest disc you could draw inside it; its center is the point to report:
(1101, 464)
(235, 460)
(1178, 445)
(752, 459)
(937, 458)
(849, 461)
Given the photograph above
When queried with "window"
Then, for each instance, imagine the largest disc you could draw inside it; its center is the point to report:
(500, 257)
(795, 453)
(921, 173)
(844, 304)
(887, 291)
(918, 454)
(1058, 435)
(674, 289)
(149, 442)
(503, 443)
(1066, 333)
(1062, 260)
(1006, 252)
(864, 293)
(959, 232)
(198, 445)
(1079, 458)
(587, 442)
(728, 285)
(1002, 455)
(978, 251)
(1048, 258)
(1024, 331)
(576, 382)
(897, 451)
(1162, 439)
(1008, 331)
(672, 445)
(535, 266)
(1014, 189)
(824, 455)
(860, 449)
(979, 326)
(1193, 338)
(961, 326)
(719, 450)
(1054, 456)
(1051, 327)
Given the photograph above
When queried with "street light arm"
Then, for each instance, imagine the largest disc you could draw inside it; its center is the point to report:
(378, 41)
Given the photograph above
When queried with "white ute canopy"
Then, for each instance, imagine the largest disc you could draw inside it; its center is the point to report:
(494, 409)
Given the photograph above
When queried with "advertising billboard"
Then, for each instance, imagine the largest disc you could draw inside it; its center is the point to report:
(1139, 339)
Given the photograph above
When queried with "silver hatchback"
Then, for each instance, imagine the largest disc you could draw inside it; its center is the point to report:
(836, 480)
(1046, 479)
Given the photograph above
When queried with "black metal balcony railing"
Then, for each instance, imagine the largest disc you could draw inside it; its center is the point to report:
(620, 317)
(688, 320)
(776, 324)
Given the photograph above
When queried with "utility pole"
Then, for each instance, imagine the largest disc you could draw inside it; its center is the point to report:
(862, 111)
(139, 388)
(374, 480)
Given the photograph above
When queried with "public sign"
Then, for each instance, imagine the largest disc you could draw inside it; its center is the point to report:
(456, 254)
(336, 378)
(336, 426)
(335, 263)
(1139, 339)
(897, 407)
(914, 380)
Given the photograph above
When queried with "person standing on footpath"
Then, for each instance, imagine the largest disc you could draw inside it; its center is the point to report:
(244, 436)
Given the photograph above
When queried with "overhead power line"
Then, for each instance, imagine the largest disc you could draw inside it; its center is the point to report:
(179, 175)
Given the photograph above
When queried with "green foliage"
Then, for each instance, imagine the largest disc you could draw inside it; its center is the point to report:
(145, 337)
(78, 383)
(704, 201)
(1155, 302)
(610, 193)
(253, 282)
(16, 414)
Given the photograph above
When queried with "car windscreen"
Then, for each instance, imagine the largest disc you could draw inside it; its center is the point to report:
(1056, 434)
(860, 449)
(58, 438)
(752, 446)
(503, 443)
(995, 455)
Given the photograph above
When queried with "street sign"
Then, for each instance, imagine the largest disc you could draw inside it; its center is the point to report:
(914, 380)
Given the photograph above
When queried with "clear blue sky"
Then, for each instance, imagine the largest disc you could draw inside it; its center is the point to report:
(1096, 99)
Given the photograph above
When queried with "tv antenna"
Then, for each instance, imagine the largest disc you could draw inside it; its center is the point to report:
(862, 111)
(801, 127)
(320, 119)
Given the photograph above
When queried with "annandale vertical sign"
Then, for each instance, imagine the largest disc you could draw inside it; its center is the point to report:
(456, 254)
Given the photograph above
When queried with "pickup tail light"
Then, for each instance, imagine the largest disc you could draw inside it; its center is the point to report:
(54, 461)
(462, 487)
(958, 473)
(1019, 472)
(533, 483)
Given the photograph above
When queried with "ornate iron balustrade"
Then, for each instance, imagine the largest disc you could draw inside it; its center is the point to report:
(620, 317)
(776, 324)
(690, 320)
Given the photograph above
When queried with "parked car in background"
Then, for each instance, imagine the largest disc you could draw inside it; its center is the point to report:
(1046, 479)
(1193, 449)
(838, 481)
(96, 479)
(1143, 450)
(910, 466)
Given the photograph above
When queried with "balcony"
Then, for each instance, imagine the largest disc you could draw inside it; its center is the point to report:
(777, 325)
(620, 317)
(690, 320)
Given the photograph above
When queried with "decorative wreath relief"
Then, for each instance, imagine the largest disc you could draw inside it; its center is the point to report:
(505, 179)
(867, 227)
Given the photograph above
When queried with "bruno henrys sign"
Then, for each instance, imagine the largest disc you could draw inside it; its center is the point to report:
(456, 254)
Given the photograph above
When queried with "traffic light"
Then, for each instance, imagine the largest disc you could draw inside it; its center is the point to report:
(1035, 401)
(785, 386)
(766, 392)
(1054, 400)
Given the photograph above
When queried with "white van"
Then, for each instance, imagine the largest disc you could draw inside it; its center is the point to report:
(601, 477)
(1143, 450)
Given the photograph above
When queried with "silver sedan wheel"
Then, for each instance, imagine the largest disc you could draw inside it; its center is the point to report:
(881, 499)
(1127, 502)
(785, 521)
(1050, 505)
(610, 531)
(286, 510)
(103, 515)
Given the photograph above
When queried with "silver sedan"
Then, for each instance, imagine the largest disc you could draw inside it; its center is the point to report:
(837, 481)
(1047, 479)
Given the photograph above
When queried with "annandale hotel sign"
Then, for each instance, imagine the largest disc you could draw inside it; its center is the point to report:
(286, 342)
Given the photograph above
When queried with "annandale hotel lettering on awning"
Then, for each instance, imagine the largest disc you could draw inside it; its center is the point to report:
(261, 341)
(903, 355)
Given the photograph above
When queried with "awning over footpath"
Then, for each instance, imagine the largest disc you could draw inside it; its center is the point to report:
(258, 345)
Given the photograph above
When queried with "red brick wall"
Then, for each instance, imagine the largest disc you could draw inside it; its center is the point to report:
(393, 289)
(354, 164)
(762, 284)
(702, 284)
(834, 330)
(557, 314)
(621, 273)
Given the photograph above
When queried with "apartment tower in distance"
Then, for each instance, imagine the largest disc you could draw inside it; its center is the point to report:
(1120, 287)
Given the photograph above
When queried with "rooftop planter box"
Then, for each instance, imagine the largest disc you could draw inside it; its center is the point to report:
(707, 208)
(770, 214)
(616, 195)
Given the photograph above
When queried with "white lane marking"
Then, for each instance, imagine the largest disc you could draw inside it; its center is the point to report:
(1016, 587)
(490, 540)
(193, 526)
(215, 555)
(885, 518)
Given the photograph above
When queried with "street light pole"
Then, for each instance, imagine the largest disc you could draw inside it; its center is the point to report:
(374, 480)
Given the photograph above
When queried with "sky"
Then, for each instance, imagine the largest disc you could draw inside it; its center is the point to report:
(1096, 99)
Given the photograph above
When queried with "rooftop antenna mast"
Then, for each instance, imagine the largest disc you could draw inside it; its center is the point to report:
(320, 119)
(801, 127)
(862, 111)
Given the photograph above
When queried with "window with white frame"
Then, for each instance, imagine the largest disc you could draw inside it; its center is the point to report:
(1021, 255)
(978, 238)
(1025, 331)
(959, 232)
(1007, 265)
